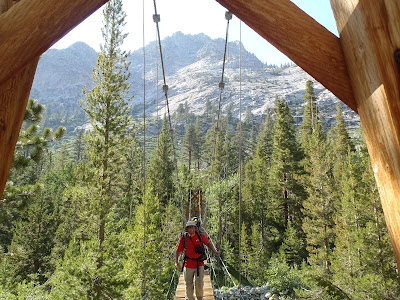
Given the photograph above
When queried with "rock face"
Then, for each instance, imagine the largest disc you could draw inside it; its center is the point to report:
(193, 70)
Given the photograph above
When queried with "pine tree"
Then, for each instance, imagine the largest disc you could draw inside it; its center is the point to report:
(32, 241)
(207, 108)
(198, 147)
(133, 179)
(319, 210)
(256, 255)
(293, 248)
(189, 142)
(26, 169)
(31, 146)
(143, 255)
(108, 108)
(244, 251)
(342, 144)
(310, 115)
(286, 194)
(261, 167)
(265, 140)
(162, 167)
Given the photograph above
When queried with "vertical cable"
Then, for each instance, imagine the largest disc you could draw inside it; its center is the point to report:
(228, 17)
(240, 148)
(144, 158)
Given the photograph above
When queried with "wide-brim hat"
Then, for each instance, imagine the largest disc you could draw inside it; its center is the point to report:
(190, 223)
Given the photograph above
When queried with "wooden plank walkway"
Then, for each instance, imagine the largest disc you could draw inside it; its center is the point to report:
(208, 291)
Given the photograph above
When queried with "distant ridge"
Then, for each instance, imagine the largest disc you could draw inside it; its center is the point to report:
(193, 66)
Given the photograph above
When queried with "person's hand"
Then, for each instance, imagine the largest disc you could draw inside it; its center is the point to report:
(176, 266)
(216, 253)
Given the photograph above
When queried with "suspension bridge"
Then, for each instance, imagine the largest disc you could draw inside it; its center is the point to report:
(195, 202)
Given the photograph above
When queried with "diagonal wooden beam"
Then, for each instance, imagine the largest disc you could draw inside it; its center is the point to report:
(14, 94)
(307, 43)
(27, 29)
(370, 36)
(30, 27)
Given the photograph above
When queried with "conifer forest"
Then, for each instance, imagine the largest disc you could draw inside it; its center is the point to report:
(291, 205)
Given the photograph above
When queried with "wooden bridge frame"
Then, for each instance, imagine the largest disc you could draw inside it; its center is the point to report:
(195, 201)
(361, 67)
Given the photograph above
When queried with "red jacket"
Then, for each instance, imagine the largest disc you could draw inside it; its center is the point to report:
(191, 244)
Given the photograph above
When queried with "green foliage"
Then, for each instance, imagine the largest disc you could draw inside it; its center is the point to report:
(145, 256)
(286, 193)
(319, 207)
(311, 113)
(31, 146)
(283, 277)
(75, 224)
(162, 167)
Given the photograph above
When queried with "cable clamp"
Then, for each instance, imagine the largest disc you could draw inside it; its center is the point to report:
(165, 88)
(156, 18)
(228, 15)
(221, 85)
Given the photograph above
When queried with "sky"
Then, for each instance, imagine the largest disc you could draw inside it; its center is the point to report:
(190, 17)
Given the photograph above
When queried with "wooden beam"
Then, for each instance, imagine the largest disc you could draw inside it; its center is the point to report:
(14, 94)
(6, 4)
(370, 34)
(30, 27)
(299, 37)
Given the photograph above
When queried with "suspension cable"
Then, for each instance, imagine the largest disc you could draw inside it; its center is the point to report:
(144, 155)
(228, 17)
(170, 284)
(212, 268)
(240, 148)
(156, 19)
(223, 264)
(145, 294)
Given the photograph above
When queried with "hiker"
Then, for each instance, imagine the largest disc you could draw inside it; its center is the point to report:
(192, 242)
(197, 221)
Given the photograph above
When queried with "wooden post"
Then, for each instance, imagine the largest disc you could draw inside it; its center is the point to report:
(195, 200)
(370, 35)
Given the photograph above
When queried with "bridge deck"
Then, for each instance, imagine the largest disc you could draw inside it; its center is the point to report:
(208, 291)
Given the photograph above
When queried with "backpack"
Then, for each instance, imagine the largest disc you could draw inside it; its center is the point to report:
(198, 250)
(184, 235)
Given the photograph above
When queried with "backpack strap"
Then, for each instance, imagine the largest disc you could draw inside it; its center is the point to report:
(200, 238)
(184, 236)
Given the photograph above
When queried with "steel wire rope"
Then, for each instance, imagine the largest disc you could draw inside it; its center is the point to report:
(240, 148)
(156, 19)
(228, 273)
(228, 17)
(170, 284)
(168, 257)
(213, 270)
(144, 153)
(223, 264)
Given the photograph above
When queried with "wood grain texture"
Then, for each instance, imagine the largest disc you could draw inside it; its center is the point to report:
(6, 4)
(299, 37)
(370, 34)
(30, 27)
(14, 94)
(207, 290)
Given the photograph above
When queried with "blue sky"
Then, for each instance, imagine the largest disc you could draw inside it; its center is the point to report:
(190, 17)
